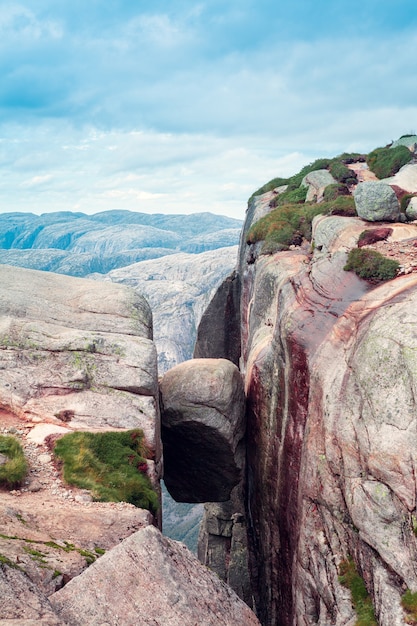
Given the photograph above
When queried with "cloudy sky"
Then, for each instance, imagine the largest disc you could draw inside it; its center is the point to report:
(178, 106)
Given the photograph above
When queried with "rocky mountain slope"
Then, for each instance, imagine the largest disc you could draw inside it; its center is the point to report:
(79, 244)
(328, 361)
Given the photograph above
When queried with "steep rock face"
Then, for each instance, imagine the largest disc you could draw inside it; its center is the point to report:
(329, 383)
(164, 585)
(202, 410)
(330, 375)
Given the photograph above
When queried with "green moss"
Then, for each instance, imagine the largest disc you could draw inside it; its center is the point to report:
(332, 192)
(99, 551)
(371, 265)
(111, 465)
(409, 603)
(405, 201)
(385, 162)
(15, 469)
(362, 603)
(4, 560)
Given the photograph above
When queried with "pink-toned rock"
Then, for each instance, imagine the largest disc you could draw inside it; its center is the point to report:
(150, 580)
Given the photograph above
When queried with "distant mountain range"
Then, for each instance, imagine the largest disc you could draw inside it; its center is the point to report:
(78, 244)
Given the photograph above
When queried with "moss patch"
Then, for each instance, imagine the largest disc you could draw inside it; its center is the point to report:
(13, 471)
(111, 465)
(361, 600)
(385, 162)
(371, 265)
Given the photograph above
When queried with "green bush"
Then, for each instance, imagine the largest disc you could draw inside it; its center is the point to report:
(409, 603)
(342, 174)
(13, 471)
(385, 162)
(275, 182)
(361, 600)
(288, 224)
(291, 196)
(111, 465)
(332, 192)
(371, 265)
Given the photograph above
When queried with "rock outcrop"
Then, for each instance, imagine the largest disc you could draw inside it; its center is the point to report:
(376, 202)
(150, 580)
(330, 376)
(202, 410)
(317, 182)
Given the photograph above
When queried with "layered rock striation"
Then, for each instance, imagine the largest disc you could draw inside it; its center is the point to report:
(328, 362)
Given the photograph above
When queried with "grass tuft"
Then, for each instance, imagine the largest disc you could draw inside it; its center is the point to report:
(111, 465)
(385, 162)
(361, 600)
(13, 471)
(371, 265)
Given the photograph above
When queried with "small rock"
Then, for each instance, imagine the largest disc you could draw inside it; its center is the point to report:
(44, 458)
(34, 486)
(3, 459)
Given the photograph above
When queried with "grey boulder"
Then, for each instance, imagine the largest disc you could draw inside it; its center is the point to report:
(202, 412)
(376, 202)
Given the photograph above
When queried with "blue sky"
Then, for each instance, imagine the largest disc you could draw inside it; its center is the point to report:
(180, 107)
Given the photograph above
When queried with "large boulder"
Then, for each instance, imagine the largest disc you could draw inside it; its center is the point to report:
(202, 429)
(317, 182)
(150, 580)
(376, 202)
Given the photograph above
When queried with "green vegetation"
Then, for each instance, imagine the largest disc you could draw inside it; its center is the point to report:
(385, 162)
(13, 471)
(341, 173)
(4, 560)
(332, 192)
(111, 465)
(405, 201)
(361, 600)
(288, 224)
(409, 603)
(371, 265)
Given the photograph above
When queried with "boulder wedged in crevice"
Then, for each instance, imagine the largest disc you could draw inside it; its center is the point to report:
(202, 409)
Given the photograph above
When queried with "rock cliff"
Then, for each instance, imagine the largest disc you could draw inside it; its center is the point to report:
(330, 374)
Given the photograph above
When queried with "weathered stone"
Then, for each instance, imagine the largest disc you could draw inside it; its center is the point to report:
(376, 202)
(317, 182)
(162, 584)
(411, 210)
(21, 603)
(202, 429)
(405, 178)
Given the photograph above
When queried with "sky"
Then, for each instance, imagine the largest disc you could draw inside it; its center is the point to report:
(180, 107)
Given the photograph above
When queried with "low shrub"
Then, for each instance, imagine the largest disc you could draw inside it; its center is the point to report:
(385, 162)
(409, 603)
(111, 465)
(342, 174)
(362, 603)
(14, 470)
(332, 192)
(288, 224)
(291, 196)
(371, 265)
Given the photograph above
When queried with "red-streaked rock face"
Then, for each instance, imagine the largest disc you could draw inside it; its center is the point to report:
(330, 370)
